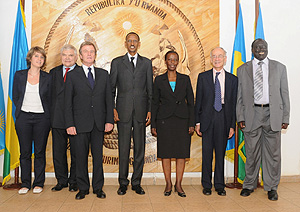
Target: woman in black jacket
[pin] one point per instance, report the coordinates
(173, 120)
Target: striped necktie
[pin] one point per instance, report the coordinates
(258, 82)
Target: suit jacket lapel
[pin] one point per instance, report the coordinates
(83, 76)
(227, 86)
(139, 64)
(127, 63)
(210, 80)
(272, 73)
(166, 84)
(249, 70)
(179, 83)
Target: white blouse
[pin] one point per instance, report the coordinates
(32, 100)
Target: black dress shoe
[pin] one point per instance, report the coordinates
(272, 195)
(167, 193)
(246, 192)
(59, 187)
(100, 194)
(73, 187)
(81, 194)
(206, 191)
(138, 189)
(122, 190)
(181, 194)
(221, 191)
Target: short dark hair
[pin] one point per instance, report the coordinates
(34, 50)
(169, 52)
(258, 39)
(132, 33)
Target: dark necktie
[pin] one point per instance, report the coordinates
(65, 77)
(132, 63)
(218, 98)
(90, 77)
(258, 82)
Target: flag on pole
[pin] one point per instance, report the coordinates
(2, 117)
(259, 30)
(238, 58)
(17, 62)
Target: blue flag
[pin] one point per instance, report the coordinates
(17, 62)
(238, 58)
(259, 31)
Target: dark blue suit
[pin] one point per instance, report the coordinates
(214, 125)
(32, 126)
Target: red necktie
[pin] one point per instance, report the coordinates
(67, 69)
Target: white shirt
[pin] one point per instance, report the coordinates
(32, 100)
(71, 68)
(135, 58)
(86, 70)
(221, 78)
(265, 69)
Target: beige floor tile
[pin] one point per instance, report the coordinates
(227, 206)
(153, 200)
(104, 206)
(137, 207)
(197, 206)
(171, 206)
(80, 207)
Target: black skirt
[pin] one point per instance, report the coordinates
(173, 139)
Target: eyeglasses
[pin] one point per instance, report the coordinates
(218, 56)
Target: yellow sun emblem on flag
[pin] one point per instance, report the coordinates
(2, 121)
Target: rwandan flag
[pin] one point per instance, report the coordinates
(18, 62)
(238, 58)
(2, 117)
(259, 31)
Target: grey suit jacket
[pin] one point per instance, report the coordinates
(133, 88)
(278, 95)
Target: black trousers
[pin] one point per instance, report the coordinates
(82, 143)
(32, 127)
(138, 130)
(59, 145)
(214, 138)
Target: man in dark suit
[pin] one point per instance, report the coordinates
(263, 109)
(88, 114)
(59, 133)
(131, 75)
(215, 117)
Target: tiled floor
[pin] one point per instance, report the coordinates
(153, 200)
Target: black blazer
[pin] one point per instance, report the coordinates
(134, 88)
(205, 97)
(166, 103)
(19, 88)
(85, 106)
(57, 100)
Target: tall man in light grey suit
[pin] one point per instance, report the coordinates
(263, 109)
(131, 81)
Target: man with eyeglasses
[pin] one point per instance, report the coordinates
(263, 109)
(131, 79)
(215, 118)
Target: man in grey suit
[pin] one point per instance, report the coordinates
(263, 109)
(131, 79)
